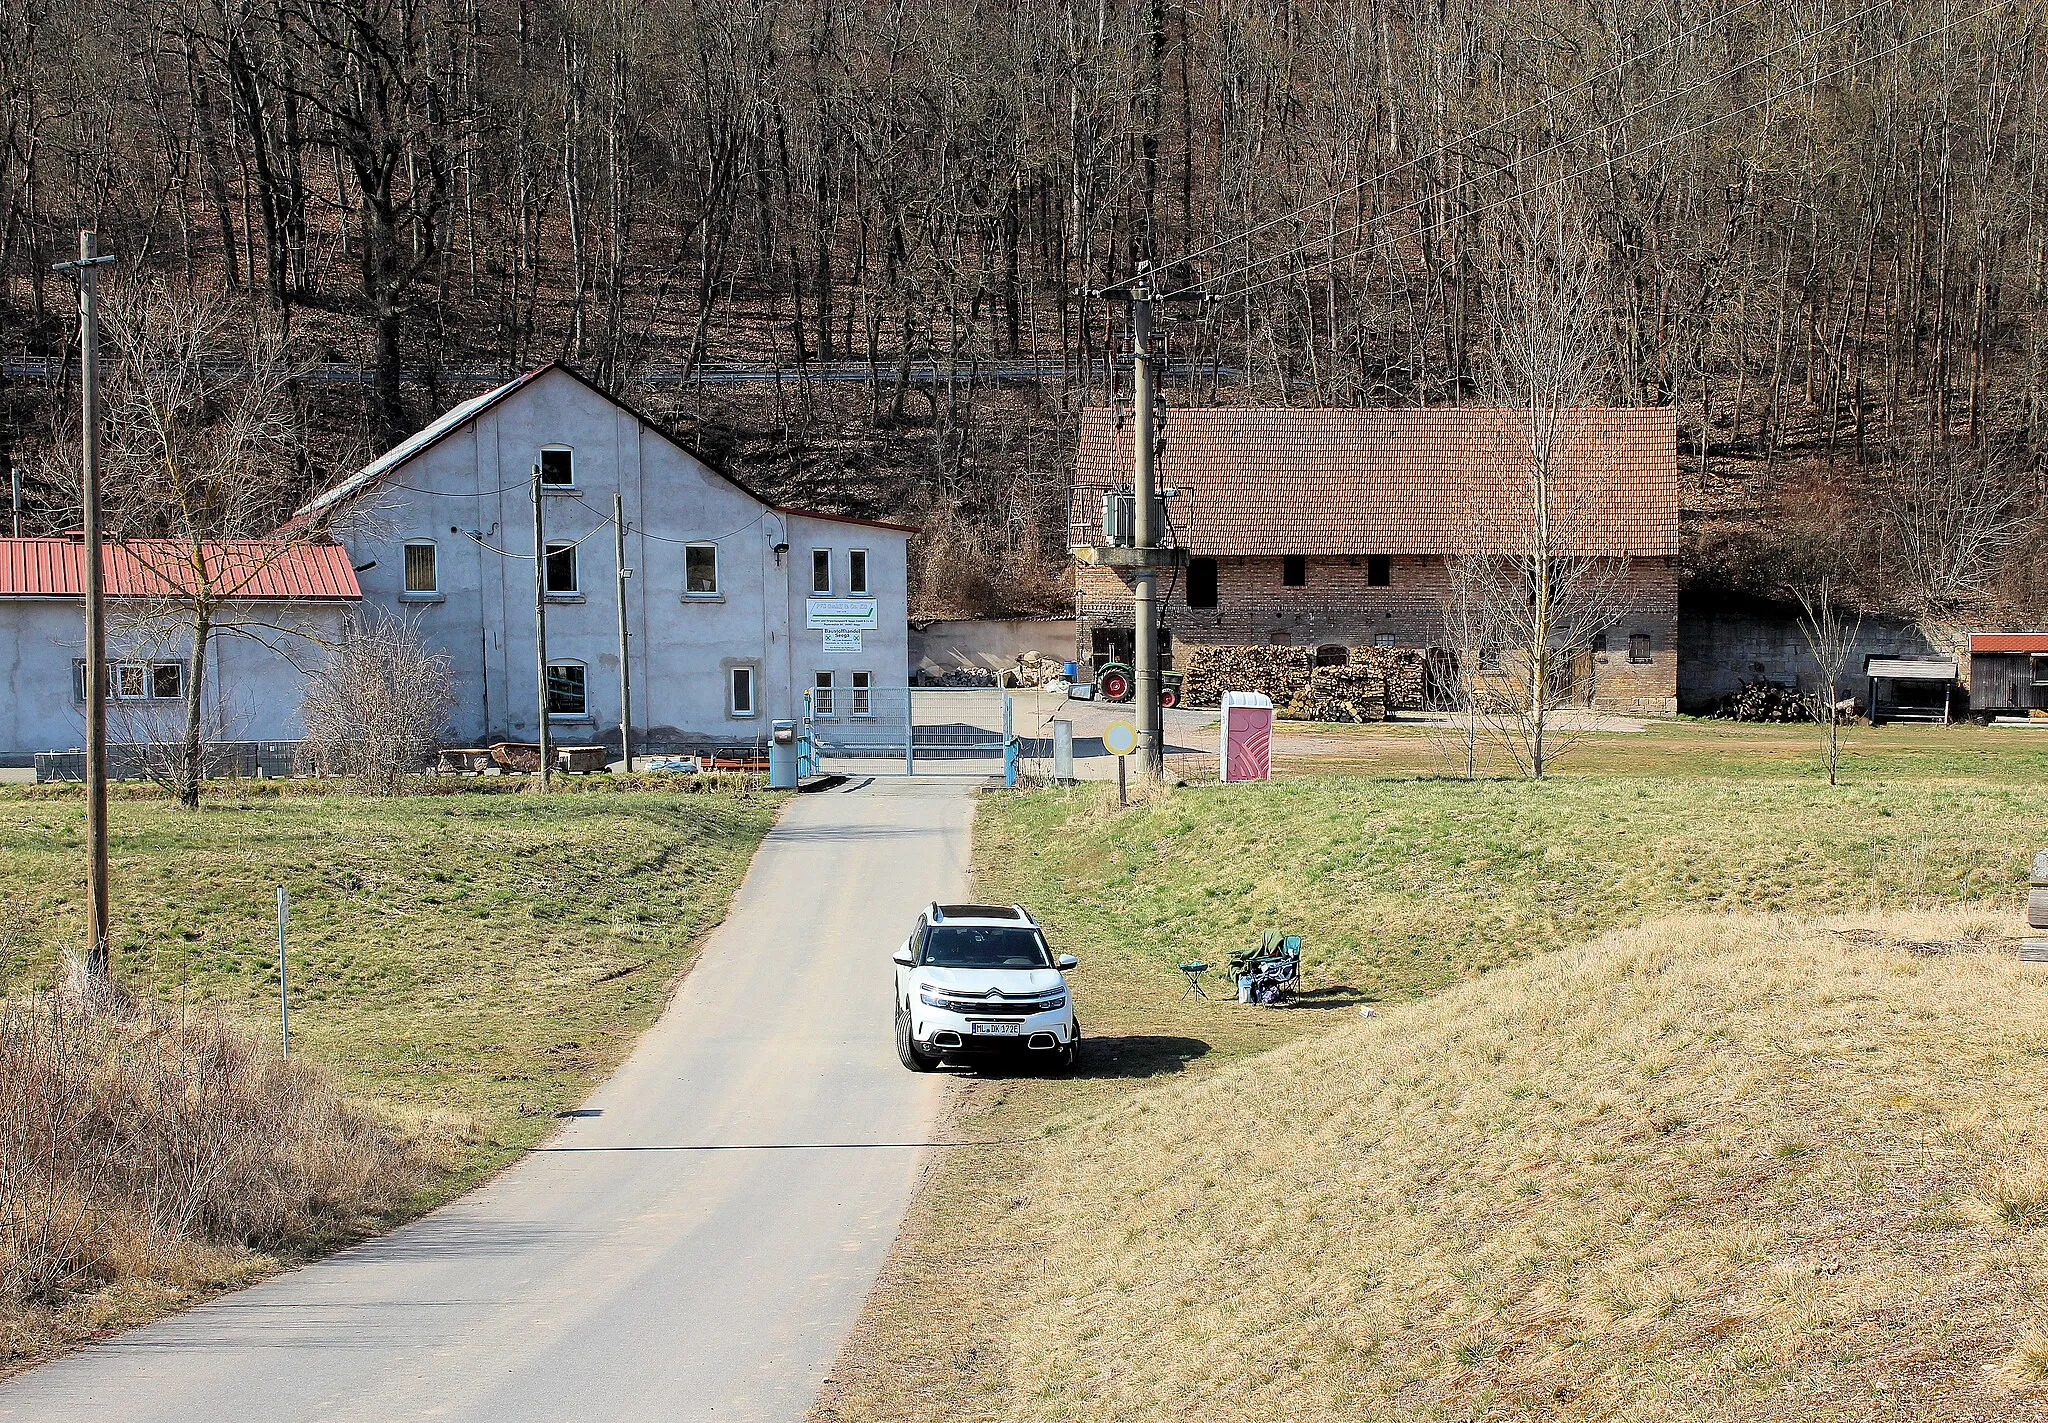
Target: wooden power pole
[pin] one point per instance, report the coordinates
(86, 271)
(625, 637)
(540, 628)
(1145, 577)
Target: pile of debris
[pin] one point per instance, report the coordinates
(1767, 701)
(1346, 693)
(1032, 669)
(963, 676)
(1281, 673)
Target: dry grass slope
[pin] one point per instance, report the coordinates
(1738, 1167)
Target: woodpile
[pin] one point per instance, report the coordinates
(1368, 685)
(1766, 701)
(1281, 673)
(1353, 693)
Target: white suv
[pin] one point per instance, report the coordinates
(980, 978)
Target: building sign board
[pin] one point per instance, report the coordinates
(841, 641)
(840, 613)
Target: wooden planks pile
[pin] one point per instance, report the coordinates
(2036, 950)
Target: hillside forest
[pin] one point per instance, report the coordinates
(847, 251)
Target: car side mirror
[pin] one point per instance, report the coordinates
(1068, 961)
(903, 955)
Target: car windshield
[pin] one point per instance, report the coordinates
(983, 946)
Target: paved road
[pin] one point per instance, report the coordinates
(697, 1250)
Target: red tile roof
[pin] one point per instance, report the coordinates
(257, 569)
(1348, 481)
(2009, 642)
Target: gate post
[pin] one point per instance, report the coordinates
(806, 748)
(1009, 743)
(909, 734)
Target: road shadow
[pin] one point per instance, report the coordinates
(1136, 1055)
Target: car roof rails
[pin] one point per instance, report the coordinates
(935, 914)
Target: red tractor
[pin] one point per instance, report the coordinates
(1116, 682)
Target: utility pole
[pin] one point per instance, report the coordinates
(86, 271)
(1145, 577)
(540, 628)
(14, 496)
(625, 639)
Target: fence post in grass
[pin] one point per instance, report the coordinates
(284, 1002)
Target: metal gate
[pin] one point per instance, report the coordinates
(906, 731)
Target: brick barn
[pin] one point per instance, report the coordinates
(1330, 529)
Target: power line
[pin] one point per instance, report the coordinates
(1443, 148)
(1562, 143)
(1771, 98)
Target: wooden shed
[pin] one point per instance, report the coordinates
(1909, 688)
(2009, 674)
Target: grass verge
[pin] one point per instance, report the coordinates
(1403, 888)
(465, 965)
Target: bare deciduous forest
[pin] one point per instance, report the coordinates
(1821, 233)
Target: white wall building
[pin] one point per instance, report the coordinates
(287, 607)
(727, 604)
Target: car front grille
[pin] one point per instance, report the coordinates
(1002, 1007)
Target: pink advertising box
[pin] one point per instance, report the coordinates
(1247, 751)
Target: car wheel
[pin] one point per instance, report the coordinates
(907, 1049)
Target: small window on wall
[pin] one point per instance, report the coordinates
(422, 573)
(557, 468)
(862, 696)
(131, 681)
(700, 570)
(566, 691)
(561, 570)
(821, 695)
(1379, 570)
(167, 681)
(1489, 659)
(740, 691)
(821, 570)
(1639, 648)
(857, 572)
(1382, 639)
(1294, 570)
(1201, 583)
(1600, 644)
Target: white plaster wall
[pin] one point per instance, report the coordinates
(252, 691)
(477, 479)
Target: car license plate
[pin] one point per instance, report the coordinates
(994, 1030)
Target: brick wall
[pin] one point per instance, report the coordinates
(1337, 605)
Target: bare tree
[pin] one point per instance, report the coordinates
(1950, 519)
(201, 454)
(1458, 682)
(1830, 633)
(1548, 586)
(380, 707)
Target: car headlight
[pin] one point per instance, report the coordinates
(929, 996)
(1051, 1003)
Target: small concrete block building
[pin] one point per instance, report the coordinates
(1332, 527)
(734, 605)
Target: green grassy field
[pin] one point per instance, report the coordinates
(1403, 884)
(477, 960)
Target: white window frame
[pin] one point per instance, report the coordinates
(144, 672)
(824, 695)
(732, 686)
(819, 555)
(857, 564)
(713, 591)
(583, 715)
(860, 694)
(1383, 639)
(575, 588)
(405, 569)
(540, 460)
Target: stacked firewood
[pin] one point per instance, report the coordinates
(1766, 701)
(1402, 671)
(1281, 673)
(1351, 693)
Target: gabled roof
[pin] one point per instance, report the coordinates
(259, 570)
(2009, 642)
(1429, 481)
(366, 479)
